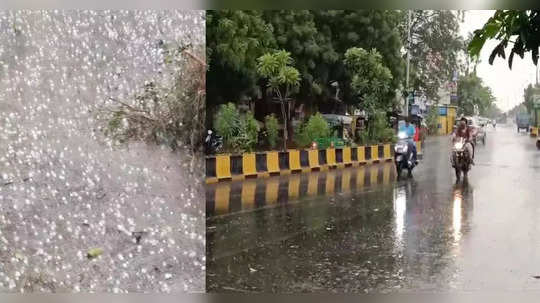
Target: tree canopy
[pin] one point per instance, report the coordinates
(370, 78)
(316, 40)
(518, 29)
(473, 93)
(435, 48)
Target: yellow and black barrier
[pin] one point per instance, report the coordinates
(252, 165)
(230, 197)
(534, 132)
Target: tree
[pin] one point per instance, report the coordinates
(435, 48)
(283, 79)
(520, 28)
(371, 81)
(297, 32)
(473, 94)
(234, 41)
(368, 29)
(529, 92)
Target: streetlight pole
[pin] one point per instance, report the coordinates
(408, 61)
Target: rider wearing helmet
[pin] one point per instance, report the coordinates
(464, 131)
(410, 130)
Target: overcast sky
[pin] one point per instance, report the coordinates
(507, 85)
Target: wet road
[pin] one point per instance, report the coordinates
(361, 230)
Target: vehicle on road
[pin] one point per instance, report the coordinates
(523, 121)
(403, 155)
(478, 129)
(538, 142)
(461, 158)
(213, 143)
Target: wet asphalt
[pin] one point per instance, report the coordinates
(362, 230)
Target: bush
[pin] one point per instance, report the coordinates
(248, 133)
(316, 127)
(228, 122)
(272, 125)
(388, 136)
(239, 131)
(377, 131)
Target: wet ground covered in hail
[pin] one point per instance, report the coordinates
(361, 229)
(66, 190)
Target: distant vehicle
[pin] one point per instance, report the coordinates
(523, 121)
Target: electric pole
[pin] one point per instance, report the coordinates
(408, 61)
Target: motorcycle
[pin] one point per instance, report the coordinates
(213, 143)
(403, 155)
(538, 143)
(461, 158)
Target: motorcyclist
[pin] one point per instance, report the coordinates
(410, 130)
(464, 131)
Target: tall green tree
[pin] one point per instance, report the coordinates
(436, 45)
(283, 80)
(370, 79)
(517, 29)
(472, 93)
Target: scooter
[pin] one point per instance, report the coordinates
(213, 143)
(403, 155)
(461, 158)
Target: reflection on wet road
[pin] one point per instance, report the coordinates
(361, 230)
(231, 197)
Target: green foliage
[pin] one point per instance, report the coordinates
(317, 41)
(370, 78)
(247, 135)
(228, 122)
(432, 119)
(518, 27)
(529, 92)
(297, 32)
(234, 41)
(272, 125)
(436, 45)
(316, 127)
(378, 129)
(367, 29)
(239, 131)
(282, 78)
(473, 93)
(363, 137)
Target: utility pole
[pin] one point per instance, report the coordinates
(408, 61)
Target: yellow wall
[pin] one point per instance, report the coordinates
(447, 122)
(443, 123)
(451, 118)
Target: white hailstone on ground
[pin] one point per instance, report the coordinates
(64, 186)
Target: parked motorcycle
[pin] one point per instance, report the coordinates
(212, 143)
(403, 155)
(461, 158)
